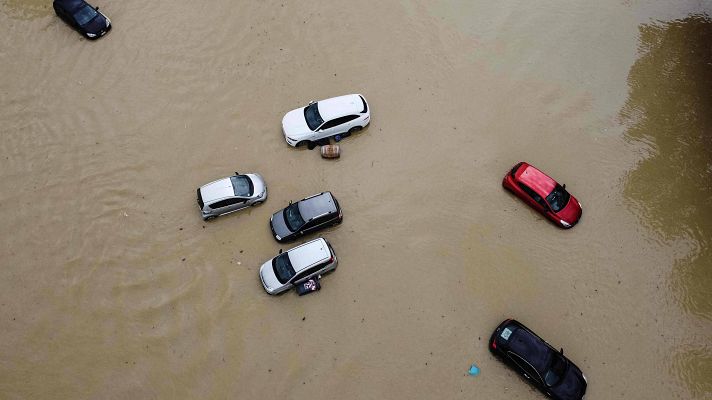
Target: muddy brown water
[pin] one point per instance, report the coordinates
(111, 286)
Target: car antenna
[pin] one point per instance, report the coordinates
(562, 351)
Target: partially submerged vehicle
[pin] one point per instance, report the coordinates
(298, 265)
(308, 215)
(531, 356)
(227, 195)
(543, 194)
(336, 117)
(83, 17)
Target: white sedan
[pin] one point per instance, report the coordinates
(337, 117)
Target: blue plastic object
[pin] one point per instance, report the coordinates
(337, 138)
(474, 370)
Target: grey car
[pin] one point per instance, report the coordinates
(306, 216)
(231, 194)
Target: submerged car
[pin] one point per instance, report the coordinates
(336, 117)
(231, 194)
(297, 265)
(532, 357)
(306, 216)
(83, 17)
(543, 194)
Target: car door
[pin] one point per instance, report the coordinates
(337, 125)
(306, 274)
(318, 223)
(534, 200)
(226, 206)
(526, 369)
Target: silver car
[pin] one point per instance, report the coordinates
(297, 265)
(231, 194)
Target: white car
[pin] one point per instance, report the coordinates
(231, 194)
(297, 265)
(337, 117)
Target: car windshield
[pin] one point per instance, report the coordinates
(293, 218)
(311, 114)
(283, 268)
(85, 14)
(242, 186)
(558, 198)
(556, 370)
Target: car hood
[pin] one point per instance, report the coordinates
(572, 212)
(294, 124)
(258, 183)
(279, 226)
(573, 385)
(96, 25)
(269, 279)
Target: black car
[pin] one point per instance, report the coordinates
(306, 216)
(543, 366)
(83, 17)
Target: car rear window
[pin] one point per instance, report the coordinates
(200, 200)
(365, 106)
(242, 186)
(514, 169)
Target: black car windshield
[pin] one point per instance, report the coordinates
(283, 268)
(311, 114)
(85, 14)
(556, 370)
(242, 186)
(558, 198)
(293, 218)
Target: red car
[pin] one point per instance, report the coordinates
(543, 193)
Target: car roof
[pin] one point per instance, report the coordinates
(336, 107)
(308, 254)
(317, 205)
(537, 180)
(217, 190)
(530, 347)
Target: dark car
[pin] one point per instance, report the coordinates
(306, 216)
(83, 17)
(544, 367)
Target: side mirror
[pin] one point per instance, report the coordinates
(237, 173)
(564, 186)
(280, 251)
(312, 102)
(290, 202)
(561, 351)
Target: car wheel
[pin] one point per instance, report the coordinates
(209, 218)
(302, 143)
(354, 129)
(311, 145)
(257, 203)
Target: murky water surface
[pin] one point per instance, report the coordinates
(111, 286)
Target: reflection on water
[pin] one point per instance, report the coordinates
(26, 9)
(694, 366)
(669, 112)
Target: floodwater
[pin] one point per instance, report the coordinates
(112, 287)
